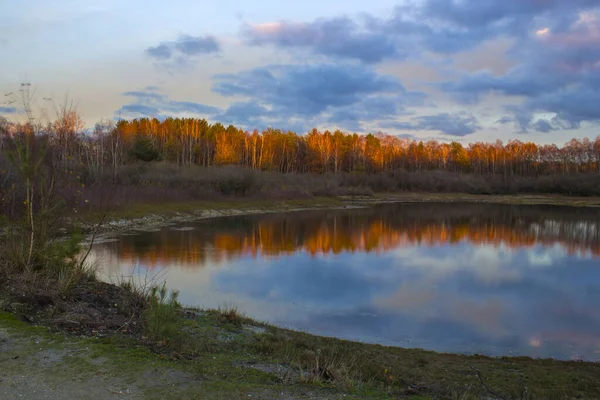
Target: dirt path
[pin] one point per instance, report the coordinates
(36, 367)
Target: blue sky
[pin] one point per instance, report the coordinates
(463, 70)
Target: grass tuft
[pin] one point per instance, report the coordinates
(163, 317)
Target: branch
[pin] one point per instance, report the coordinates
(489, 389)
(91, 244)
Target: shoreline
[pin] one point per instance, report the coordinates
(156, 215)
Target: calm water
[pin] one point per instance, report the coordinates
(472, 278)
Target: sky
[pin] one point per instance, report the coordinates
(465, 70)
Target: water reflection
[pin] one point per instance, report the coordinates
(492, 279)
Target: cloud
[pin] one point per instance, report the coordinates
(323, 93)
(294, 97)
(544, 126)
(336, 37)
(335, 284)
(181, 53)
(244, 113)
(557, 71)
(192, 46)
(139, 110)
(149, 103)
(190, 107)
(441, 26)
(555, 54)
(146, 95)
(8, 110)
(374, 109)
(160, 52)
(458, 124)
(507, 13)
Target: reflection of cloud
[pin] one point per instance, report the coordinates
(488, 263)
(425, 302)
(572, 342)
(541, 260)
(485, 317)
(321, 283)
(407, 298)
(545, 257)
(535, 342)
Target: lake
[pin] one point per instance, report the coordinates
(452, 277)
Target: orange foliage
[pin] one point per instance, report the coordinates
(196, 141)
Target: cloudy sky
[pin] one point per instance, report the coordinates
(464, 70)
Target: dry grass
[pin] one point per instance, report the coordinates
(229, 315)
(166, 183)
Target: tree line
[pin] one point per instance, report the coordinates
(63, 157)
(188, 141)
(194, 141)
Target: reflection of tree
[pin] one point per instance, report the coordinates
(369, 230)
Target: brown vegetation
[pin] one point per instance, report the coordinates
(117, 163)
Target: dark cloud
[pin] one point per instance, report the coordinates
(507, 13)
(8, 110)
(247, 114)
(506, 120)
(306, 90)
(190, 107)
(295, 97)
(556, 51)
(160, 52)
(192, 46)
(343, 95)
(441, 26)
(152, 104)
(544, 126)
(473, 13)
(374, 109)
(459, 124)
(179, 54)
(556, 58)
(139, 110)
(337, 37)
(556, 72)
